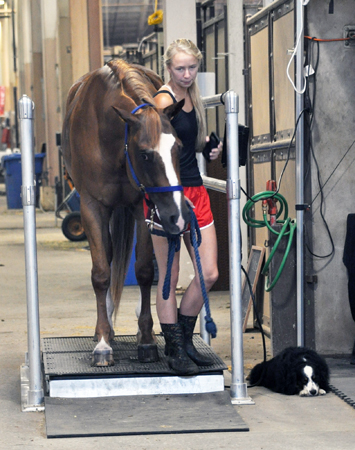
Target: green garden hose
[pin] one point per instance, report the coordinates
(288, 229)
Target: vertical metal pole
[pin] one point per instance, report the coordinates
(300, 175)
(35, 394)
(238, 386)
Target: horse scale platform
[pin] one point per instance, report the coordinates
(68, 372)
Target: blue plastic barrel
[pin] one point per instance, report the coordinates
(13, 178)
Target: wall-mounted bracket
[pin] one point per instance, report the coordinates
(349, 33)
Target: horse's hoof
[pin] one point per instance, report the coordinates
(148, 353)
(102, 359)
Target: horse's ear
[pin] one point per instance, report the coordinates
(125, 115)
(174, 109)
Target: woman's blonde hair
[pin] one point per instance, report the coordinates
(188, 47)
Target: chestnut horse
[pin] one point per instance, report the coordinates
(117, 146)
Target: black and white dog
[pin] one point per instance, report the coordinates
(296, 370)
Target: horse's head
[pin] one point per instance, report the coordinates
(154, 151)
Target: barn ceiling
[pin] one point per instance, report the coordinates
(126, 21)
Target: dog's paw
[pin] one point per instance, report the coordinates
(303, 393)
(322, 392)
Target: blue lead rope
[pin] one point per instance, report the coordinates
(174, 246)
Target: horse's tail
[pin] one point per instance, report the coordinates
(122, 232)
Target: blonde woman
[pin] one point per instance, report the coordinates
(182, 60)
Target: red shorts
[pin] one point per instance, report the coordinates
(202, 208)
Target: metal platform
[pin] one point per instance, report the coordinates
(68, 373)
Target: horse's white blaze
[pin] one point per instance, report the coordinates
(164, 148)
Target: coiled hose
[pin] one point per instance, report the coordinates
(288, 228)
(157, 17)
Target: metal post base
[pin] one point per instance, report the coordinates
(239, 395)
(26, 395)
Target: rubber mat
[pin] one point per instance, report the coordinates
(72, 357)
(342, 379)
(138, 415)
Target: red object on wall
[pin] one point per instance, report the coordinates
(6, 137)
(271, 202)
(2, 100)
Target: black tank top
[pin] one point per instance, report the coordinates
(185, 125)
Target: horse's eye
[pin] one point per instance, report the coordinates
(144, 156)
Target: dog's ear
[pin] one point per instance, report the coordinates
(292, 383)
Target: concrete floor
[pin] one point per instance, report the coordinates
(67, 308)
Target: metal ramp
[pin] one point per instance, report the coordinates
(68, 373)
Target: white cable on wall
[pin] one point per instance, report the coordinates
(302, 3)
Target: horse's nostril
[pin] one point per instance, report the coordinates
(174, 219)
(177, 222)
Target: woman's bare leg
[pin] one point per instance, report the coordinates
(192, 300)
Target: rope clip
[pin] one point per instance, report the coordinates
(151, 225)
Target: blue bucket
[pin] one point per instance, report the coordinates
(13, 178)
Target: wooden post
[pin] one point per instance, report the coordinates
(94, 12)
(51, 86)
(37, 75)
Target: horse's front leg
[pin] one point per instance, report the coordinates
(95, 218)
(144, 269)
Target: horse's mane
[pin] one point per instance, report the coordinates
(134, 79)
(138, 81)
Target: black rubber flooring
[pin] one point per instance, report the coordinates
(71, 356)
(342, 378)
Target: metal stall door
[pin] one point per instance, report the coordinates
(214, 47)
(269, 39)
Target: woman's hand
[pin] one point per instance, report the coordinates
(214, 153)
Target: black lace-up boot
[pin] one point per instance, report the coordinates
(188, 325)
(174, 349)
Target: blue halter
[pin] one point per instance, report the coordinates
(143, 188)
